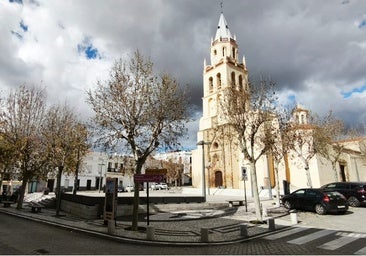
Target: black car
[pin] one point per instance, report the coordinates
(355, 192)
(315, 199)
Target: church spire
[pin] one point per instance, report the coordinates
(222, 29)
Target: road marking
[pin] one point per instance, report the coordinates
(338, 243)
(284, 233)
(311, 237)
(361, 251)
(358, 235)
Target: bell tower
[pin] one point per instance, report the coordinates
(225, 70)
(218, 151)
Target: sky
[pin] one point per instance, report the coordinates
(314, 50)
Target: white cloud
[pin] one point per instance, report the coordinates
(313, 49)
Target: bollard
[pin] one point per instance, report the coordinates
(150, 233)
(111, 227)
(271, 224)
(293, 215)
(204, 234)
(265, 212)
(243, 230)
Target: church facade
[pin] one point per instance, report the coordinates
(218, 163)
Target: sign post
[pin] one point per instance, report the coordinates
(110, 201)
(152, 175)
(244, 176)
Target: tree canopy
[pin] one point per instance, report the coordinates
(138, 110)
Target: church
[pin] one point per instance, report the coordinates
(218, 164)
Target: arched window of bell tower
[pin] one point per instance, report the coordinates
(232, 79)
(303, 119)
(297, 118)
(210, 84)
(233, 53)
(240, 82)
(223, 51)
(218, 80)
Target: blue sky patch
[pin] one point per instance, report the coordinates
(291, 98)
(23, 26)
(16, 1)
(347, 95)
(91, 53)
(362, 24)
(87, 48)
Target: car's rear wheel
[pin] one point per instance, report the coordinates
(320, 209)
(287, 205)
(353, 201)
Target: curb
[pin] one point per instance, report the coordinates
(120, 238)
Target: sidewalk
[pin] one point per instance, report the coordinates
(178, 227)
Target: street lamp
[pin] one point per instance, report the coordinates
(100, 176)
(203, 143)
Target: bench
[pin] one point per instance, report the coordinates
(8, 203)
(36, 208)
(236, 202)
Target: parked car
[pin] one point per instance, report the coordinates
(130, 188)
(158, 186)
(318, 200)
(355, 192)
(121, 189)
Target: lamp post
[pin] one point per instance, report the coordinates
(203, 143)
(100, 176)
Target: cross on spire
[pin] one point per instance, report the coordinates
(221, 5)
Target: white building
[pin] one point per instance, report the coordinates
(179, 157)
(217, 162)
(95, 168)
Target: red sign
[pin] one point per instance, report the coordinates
(148, 178)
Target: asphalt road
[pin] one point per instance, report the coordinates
(353, 220)
(20, 236)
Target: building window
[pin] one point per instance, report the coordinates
(232, 79)
(240, 82)
(210, 83)
(218, 79)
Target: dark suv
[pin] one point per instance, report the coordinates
(355, 192)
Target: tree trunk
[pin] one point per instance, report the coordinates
(335, 171)
(253, 174)
(76, 175)
(136, 200)
(58, 189)
(278, 202)
(308, 177)
(22, 193)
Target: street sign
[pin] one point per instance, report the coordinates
(156, 171)
(148, 178)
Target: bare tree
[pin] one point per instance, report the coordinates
(21, 116)
(81, 142)
(248, 113)
(174, 170)
(65, 142)
(139, 109)
(7, 158)
(308, 139)
(336, 131)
